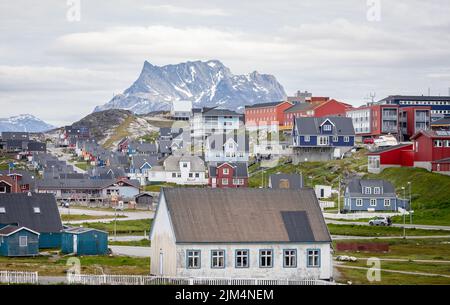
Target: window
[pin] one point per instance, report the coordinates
(346, 139)
(185, 165)
(368, 190)
(225, 181)
(37, 210)
(218, 259)
(447, 143)
(174, 175)
(377, 190)
(193, 259)
(225, 171)
(324, 140)
(307, 138)
(335, 139)
(23, 241)
(373, 202)
(327, 127)
(359, 202)
(265, 258)
(197, 175)
(387, 202)
(178, 175)
(190, 175)
(2, 189)
(437, 143)
(290, 258)
(242, 259)
(313, 258)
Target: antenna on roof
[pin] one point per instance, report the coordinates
(371, 96)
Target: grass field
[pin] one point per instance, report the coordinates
(157, 187)
(57, 265)
(83, 165)
(120, 132)
(75, 217)
(128, 227)
(357, 230)
(132, 243)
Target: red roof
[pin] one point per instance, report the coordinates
(431, 134)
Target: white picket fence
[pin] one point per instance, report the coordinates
(107, 279)
(326, 204)
(18, 277)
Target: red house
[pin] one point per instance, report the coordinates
(230, 175)
(432, 149)
(413, 119)
(8, 185)
(266, 114)
(320, 108)
(394, 156)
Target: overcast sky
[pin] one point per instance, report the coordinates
(59, 70)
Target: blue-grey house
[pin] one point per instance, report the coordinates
(18, 241)
(37, 212)
(84, 241)
(321, 139)
(371, 195)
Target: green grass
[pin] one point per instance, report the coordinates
(321, 172)
(120, 132)
(430, 193)
(132, 243)
(83, 165)
(151, 137)
(157, 187)
(357, 230)
(130, 227)
(74, 217)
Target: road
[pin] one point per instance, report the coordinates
(131, 251)
(398, 225)
(128, 215)
(65, 157)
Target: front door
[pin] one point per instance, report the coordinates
(161, 263)
(75, 244)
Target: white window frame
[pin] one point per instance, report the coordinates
(438, 143)
(307, 138)
(265, 254)
(242, 254)
(346, 139)
(387, 202)
(226, 171)
(373, 202)
(359, 202)
(2, 189)
(37, 210)
(194, 255)
(2, 210)
(327, 127)
(368, 190)
(377, 190)
(323, 140)
(217, 259)
(224, 181)
(23, 241)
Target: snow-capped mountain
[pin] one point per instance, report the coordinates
(24, 122)
(204, 83)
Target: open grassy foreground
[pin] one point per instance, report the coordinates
(57, 265)
(357, 230)
(433, 267)
(132, 243)
(75, 217)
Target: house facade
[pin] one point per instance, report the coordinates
(321, 139)
(227, 147)
(430, 147)
(18, 241)
(265, 114)
(370, 195)
(181, 110)
(206, 233)
(226, 174)
(375, 120)
(393, 156)
(182, 169)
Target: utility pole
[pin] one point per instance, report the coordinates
(339, 196)
(410, 203)
(404, 212)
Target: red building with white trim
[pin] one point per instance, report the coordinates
(413, 119)
(431, 148)
(394, 156)
(228, 175)
(266, 114)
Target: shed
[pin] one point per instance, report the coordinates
(84, 241)
(18, 241)
(144, 199)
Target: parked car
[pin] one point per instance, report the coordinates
(65, 204)
(369, 141)
(345, 258)
(380, 221)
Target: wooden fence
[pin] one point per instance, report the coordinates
(18, 277)
(87, 279)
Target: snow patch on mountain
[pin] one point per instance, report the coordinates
(24, 123)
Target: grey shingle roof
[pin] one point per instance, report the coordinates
(261, 105)
(240, 169)
(244, 215)
(216, 141)
(139, 160)
(95, 184)
(283, 181)
(356, 186)
(172, 163)
(19, 209)
(310, 125)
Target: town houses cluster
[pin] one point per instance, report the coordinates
(209, 221)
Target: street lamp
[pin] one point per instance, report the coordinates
(410, 203)
(404, 211)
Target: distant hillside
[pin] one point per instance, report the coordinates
(108, 127)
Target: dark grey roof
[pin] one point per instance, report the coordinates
(13, 135)
(441, 121)
(382, 150)
(311, 125)
(139, 160)
(415, 98)
(68, 184)
(164, 146)
(240, 169)
(144, 147)
(300, 107)
(355, 187)
(36, 146)
(220, 112)
(217, 140)
(27, 177)
(283, 181)
(244, 215)
(16, 144)
(261, 105)
(19, 209)
(72, 176)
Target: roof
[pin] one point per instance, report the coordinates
(11, 229)
(27, 177)
(240, 169)
(139, 160)
(301, 107)
(57, 184)
(172, 163)
(415, 98)
(445, 160)
(310, 125)
(14, 135)
(216, 141)
(183, 106)
(355, 187)
(262, 105)
(201, 215)
(81, 230)
(219, 112)
(395, 147)
(432, 134)
(19, 209)
(286, 181)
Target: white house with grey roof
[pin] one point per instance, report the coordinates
(180, 169)
(240, 233)
(232, 146)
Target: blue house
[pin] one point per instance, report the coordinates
(37, 212)
(18, 241)
(321, 139)
(84, 241)
(140, 167)
(371, 195)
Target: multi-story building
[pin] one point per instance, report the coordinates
(440, 105)
(431, 148)
(232, 146)
(413, 119)
(206, 121)
(265, 114)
